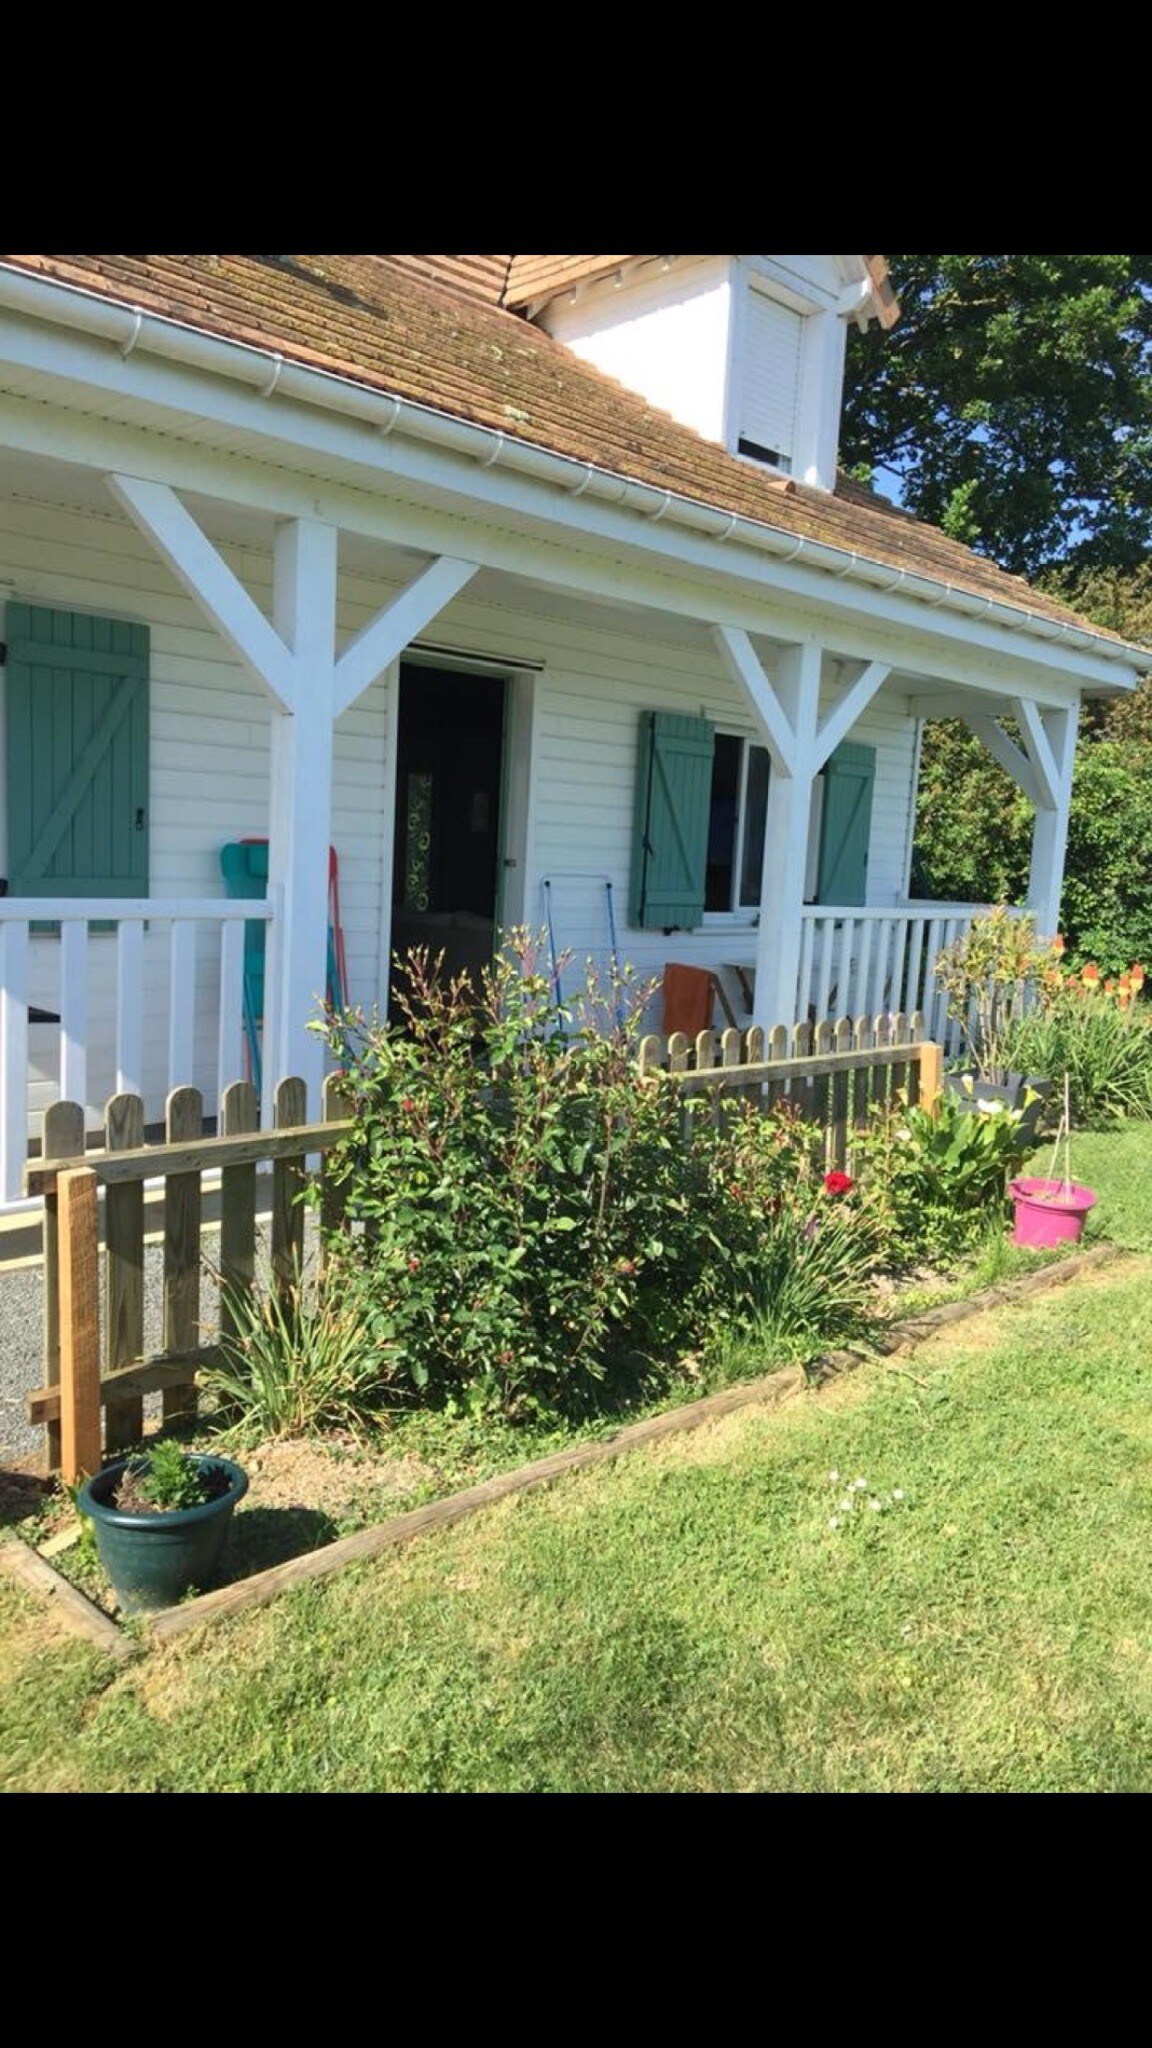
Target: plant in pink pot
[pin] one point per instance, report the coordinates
(1051, 1210)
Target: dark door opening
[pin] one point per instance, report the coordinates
(449, 764)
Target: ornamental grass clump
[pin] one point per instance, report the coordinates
(1097, 1030)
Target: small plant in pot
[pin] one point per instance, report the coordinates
(988, 975)
(1051, 1210)
(161, 1521)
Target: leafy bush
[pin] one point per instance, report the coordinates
(309, 1360)
(943, 1174)
(533, 1233)
(1098, 1032)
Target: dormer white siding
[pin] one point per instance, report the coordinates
(745, 349)
(662, 331)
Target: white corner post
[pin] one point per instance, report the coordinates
(1050, 737)
(786, 710)
(1043, 769)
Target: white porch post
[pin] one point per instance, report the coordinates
(786, 710)
(789, 810)
(1050, 831)
(1043, 770)
(300, 808)
(295, 659)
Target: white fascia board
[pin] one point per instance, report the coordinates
(757, 593)
(297, 434)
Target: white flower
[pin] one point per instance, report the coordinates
(987, 1108)
(834, 1479)
(847, 1505)
(833, 1521)
(860, 1485)
(904, 1133)
(874, 1505)
(897, 1493)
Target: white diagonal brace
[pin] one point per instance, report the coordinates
(744, 666)
(168, 524)
(389, 633)
(1001, 748)
(1040, 752)
(852, 705)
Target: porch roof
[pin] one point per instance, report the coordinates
(407, 327)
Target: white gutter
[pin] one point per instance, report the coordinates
(128, 328)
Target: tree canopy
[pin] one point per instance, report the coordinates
(1013, 404)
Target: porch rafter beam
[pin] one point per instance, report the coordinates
(746, 669)
(852, 706)
(1002, 749)
(1039, 749)
(166, 522)
(386, 636)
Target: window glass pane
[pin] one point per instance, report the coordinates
(756, 801)
(722, 822)
(418, 842)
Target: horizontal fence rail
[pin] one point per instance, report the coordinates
(58, 979)
(832, 1075)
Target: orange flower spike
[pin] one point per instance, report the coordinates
(1136, 976)
(1090, 975)
(1058, 945)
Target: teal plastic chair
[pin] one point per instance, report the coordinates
(244, 866)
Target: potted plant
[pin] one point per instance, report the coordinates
(161, 1521)
(987, 975)
(1050, 1210)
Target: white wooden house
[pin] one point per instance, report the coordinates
(490, 573)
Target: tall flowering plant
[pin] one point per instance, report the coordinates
(988, 975)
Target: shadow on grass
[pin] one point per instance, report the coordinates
(262, 1537)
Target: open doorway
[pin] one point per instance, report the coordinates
(446, 874)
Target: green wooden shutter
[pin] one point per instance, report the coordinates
(77, 691)
(846, 825)
(673, 795)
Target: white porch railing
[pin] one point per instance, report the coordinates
(856, 962)
(125, 1040)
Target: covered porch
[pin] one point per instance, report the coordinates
(282, 647)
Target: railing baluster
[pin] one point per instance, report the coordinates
(13, 1058)
(130, 1006)
(181, 1003)
(827, 948)
(863, 1007)
(807, 943)
(230, 1044)
(74, 1010)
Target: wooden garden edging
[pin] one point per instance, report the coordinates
(92, 1398)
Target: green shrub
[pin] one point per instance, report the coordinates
(535, 1236)
(943, 1175)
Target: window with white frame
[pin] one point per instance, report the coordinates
(737, 813)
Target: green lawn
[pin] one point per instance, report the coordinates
(689, 1618)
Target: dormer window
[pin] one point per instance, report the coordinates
(772, 357)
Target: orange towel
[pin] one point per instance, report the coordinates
(688, 999)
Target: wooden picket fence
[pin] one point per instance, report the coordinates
(95, 1369)
(832, 1074)
(96, 1373)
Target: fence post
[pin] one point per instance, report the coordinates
(124, 1267)
(185, 1120)
(62, 1138)
(931, 1075)
(288, 1180)
(78, 1222)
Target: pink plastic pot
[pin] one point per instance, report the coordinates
(1045, 1214)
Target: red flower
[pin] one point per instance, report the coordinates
(838, 1183)
(413, 1265)
(407, 1103)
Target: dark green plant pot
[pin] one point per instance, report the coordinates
(153, 1560)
